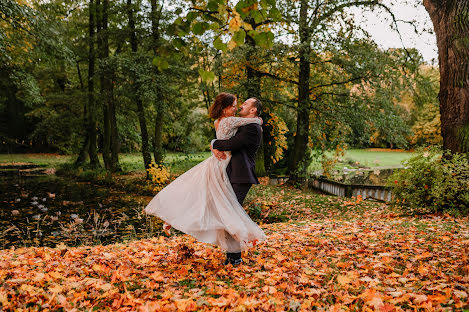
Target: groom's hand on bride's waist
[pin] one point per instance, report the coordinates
(219, 154)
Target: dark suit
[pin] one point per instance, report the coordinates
(243, 147)
(241, 168)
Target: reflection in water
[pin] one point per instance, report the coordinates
(49, 210)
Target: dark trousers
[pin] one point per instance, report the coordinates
(241, 190)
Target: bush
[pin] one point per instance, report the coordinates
(159, 177)
(432, 183)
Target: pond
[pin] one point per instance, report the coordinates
(46, 210)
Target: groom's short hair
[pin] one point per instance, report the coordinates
(258, 105)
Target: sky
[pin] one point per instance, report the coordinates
(377, 25)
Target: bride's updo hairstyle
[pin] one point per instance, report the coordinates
(222, 101)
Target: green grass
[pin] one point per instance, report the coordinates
(371, 158)
(178, 162)
(48, 160)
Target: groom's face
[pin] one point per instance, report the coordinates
(247, 109)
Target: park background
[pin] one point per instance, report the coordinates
(103, 103)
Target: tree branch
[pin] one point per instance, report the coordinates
(338, 8)
(280, 102)
(337, 83)
(267, 21)
(264, 74)
(332, 93)
(203, 10)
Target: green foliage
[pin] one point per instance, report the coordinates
(425, 109)
(463, 137)
(432, 183)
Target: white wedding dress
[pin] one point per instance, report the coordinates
(201, 202)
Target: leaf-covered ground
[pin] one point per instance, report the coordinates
(333, 254)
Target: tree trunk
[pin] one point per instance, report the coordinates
(115, 145)
(103, 50)
(92, 133)
(83, 154)
(253, 88)
(157, 142)
(297, 166)
(450, 22)
(140, 111)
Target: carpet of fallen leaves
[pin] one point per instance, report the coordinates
(367, 260)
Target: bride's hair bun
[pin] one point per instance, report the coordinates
(222, 101)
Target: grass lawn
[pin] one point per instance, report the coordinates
(373, 157)
(47, 160)
(178, 162)
(376, 157)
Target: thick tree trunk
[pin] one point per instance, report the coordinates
(297, 165)
(92, 133)
(450, 21)
(157, 142)
(140, 110)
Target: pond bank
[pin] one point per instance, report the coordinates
(44, 210)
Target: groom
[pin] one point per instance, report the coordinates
(243, 147)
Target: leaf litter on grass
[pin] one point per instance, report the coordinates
(346, 255)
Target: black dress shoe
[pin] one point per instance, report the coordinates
(233, 262)
(236, 262)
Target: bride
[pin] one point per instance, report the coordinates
(201, 202)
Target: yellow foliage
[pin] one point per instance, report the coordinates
(159, 176)
(279, 128)
(235, 23)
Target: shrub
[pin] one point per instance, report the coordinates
(432, 183)
(159, 176)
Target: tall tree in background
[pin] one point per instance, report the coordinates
(103, 53)
(135, 86)
(110, 135)
(92, 133)
(156, 10)
(115, 166)
(451, 23)
(303, 110)
(317, 19)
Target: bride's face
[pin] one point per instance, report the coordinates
(230, 111)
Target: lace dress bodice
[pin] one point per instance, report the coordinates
(228, 126)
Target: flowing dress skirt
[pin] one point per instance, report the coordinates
(201, 202)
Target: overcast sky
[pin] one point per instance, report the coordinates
(377, 24)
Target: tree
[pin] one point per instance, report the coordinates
(92, 134)
(156, 10)
(246, 23)
(135, 86)
(449, 19)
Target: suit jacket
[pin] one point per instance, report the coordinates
(243, 146)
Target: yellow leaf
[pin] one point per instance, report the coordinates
(105, 287)
(235, 23)
(56, 288)
(55, 275)
(231, 44)
(343, 280)
(4, 299)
